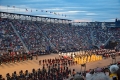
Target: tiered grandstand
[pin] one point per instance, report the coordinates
(32, 33)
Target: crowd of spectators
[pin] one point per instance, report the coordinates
(64, 36)
(46, 36)
(107, 73)
(8, 38)
(29, 34)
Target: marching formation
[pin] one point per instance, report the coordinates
(87, 58)
(52, 69)
(14, 57)
(57, 68)
(82, 57)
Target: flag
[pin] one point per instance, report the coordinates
(26, 10)
(8, 5)
(54, 13)
(13, 6)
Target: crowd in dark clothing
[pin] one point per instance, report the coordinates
(45, 36)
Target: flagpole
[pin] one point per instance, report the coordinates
(14, 8)
(19, 9)
(0, 7)
(7, 8)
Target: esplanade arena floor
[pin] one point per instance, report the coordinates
(30, 64)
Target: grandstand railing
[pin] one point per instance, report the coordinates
(19, 37)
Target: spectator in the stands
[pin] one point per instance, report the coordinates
(78, 77)
(118, 71)
(89, 74)
(1, 78)
(99, 75)
(113, 72)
